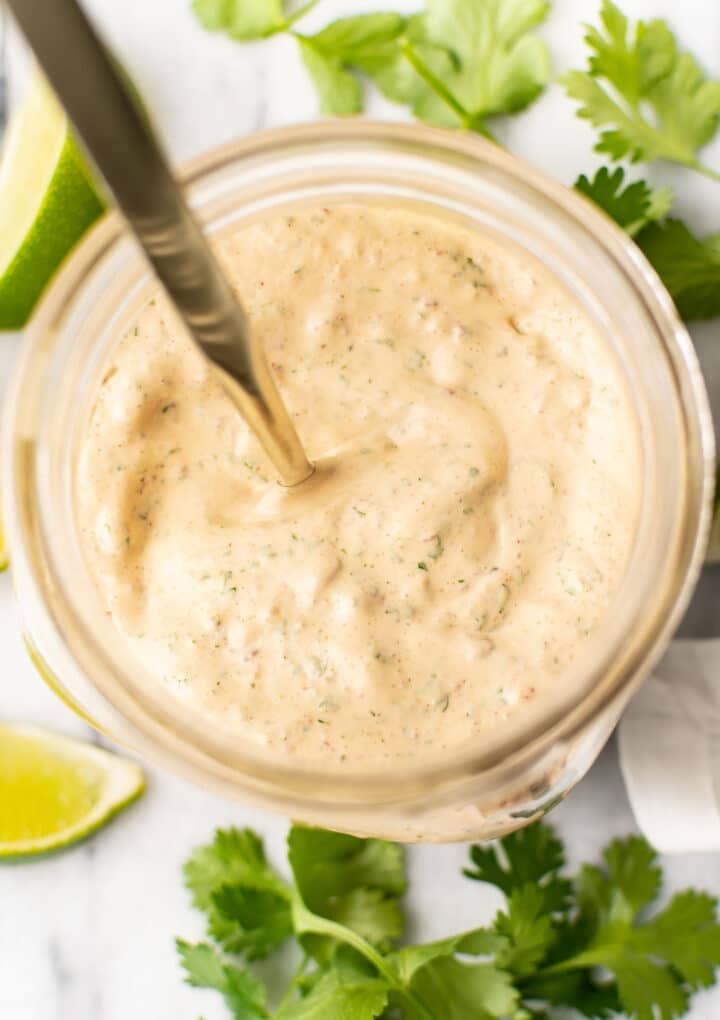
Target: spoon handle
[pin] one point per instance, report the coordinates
(119, 138)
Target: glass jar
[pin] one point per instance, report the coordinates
(530, 762)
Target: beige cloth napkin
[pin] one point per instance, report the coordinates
(669, 739)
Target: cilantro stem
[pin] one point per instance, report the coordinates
(307, 922)
(468, 121)
(431, 79)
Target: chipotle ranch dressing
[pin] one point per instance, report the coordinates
(468, 524)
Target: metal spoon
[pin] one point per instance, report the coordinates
(120, 140)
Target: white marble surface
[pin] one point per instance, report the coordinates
(88, 935)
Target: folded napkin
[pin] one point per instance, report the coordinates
(669, 740)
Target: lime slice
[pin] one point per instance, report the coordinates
(55, 791)
(47, 201)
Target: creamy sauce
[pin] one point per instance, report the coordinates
(469, 522)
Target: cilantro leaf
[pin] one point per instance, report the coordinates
(633, 870)
(686, 935)
(205, 967)
(480, 942)
(460, 991)
(350, 39)
(235, 861)
(688, 266)
(336, 998)
(652, 101)
(573, 990)
(501, 66)
(235, 857)
(647, 990)
(631, 135)
(655, 961)
(242, 19)
(629, 881)
(633, 206)
(687, 106)
(339, 91)
(370, 913)
(253, 922)
(330, 864)
(452, 989)
(527, 928)
(533, 855)
(347, 991)
(343, 45)
(396, 77)
(353, 881)
(632, 66)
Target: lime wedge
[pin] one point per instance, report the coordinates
(55, 791)
(47, 201)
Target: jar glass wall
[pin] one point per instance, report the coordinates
(524, 767)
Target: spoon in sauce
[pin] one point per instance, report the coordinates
(118, 137)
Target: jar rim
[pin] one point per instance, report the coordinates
(42, 576)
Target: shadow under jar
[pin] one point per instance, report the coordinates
(518, 769)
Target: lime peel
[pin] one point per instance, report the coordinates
(47, 202)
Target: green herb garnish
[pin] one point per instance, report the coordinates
(587, 942)
(459, 62)
(652, 102)
(650, 98)
(688, 266)
(632, 206)
(248, 20)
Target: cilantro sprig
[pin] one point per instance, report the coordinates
(593, 945)
(651, 100)
(588, 942)
(689, 266)
(498, 65)
(457, 63)
(343, 909)
(462, 63)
